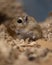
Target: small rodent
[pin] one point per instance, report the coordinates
(24, 27)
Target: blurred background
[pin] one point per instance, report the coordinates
(38, 8)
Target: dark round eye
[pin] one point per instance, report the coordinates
(19, 21)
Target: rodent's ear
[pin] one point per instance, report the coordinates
(26, 18)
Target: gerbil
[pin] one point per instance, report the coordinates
(24, 27)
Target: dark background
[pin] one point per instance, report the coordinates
(38, 8)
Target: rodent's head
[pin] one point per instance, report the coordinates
(23, 22)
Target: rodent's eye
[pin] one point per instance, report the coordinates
(19, 20)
